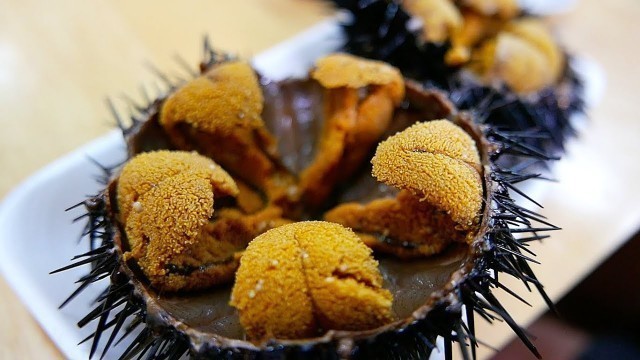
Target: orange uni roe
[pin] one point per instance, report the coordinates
(359, 100)
(299, 280)
(437, 168)
(166, 201)
(219, 114)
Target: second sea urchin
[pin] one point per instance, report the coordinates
(491, 57)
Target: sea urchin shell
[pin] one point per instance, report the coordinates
(463, 274)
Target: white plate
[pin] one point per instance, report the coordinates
(37, 235)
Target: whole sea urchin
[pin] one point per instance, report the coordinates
(464, 272)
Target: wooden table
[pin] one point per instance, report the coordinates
(58, 61)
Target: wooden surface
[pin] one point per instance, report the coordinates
(58, 61)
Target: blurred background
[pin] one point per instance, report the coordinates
(60, 60)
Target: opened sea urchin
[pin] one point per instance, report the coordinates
(170, 222)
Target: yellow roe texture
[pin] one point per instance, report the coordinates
(147, 170)
(300, 279)
(537, 33)
(225, 98)
(491, 40)
(344, 70)
(219, 114)
(403, 226)
(502, 8)
(475, 29)
(166, 201)
(524, 56)
(438, 162)
(359, 100)
(440, 18)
